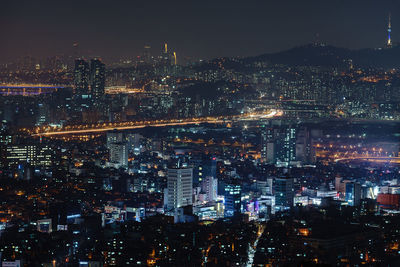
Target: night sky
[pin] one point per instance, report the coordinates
(201, 29)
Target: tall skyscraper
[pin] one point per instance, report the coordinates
(389, 40)
(278, 144)
(166, 55)
(180, 187)
(305, 152)
(43, 113)
(284, 192)
(147, 55)
(165, 61)
(267, 144)
(286, 146)
(233, 195)
(81, 78)
(97, 78)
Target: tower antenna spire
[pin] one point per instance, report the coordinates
(389, 40)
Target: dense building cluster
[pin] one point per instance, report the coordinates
(257, 192)
(157, 87)
(227, 162)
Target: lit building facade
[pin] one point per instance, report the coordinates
(284, 192)
(97, 78)
(210, 187)
(233, 204)
(119, 154)
(180, 188)
(81, 79)
(35, 155)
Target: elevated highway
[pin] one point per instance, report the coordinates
(96, 128)
(371, 159)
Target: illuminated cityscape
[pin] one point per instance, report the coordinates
(200, 133)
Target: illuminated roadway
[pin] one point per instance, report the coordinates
(49, 131)
(253, 248)
(372, 158)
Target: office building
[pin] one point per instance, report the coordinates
(353, 193)
(44, 226)
(35, 155)
(284, 192)
(180, 187)
(233, 194)
(43, 113)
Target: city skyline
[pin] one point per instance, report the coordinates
(209, 30)
(183, 133)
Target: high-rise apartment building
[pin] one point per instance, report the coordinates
(180, 187)
(81, 79)
(267, 144)
(114, 137)
(97, 78)
(286, 145)
(278, 144)
(119, 154)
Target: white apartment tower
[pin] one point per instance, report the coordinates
(180, 187)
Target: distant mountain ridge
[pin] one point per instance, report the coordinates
(321, 55)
